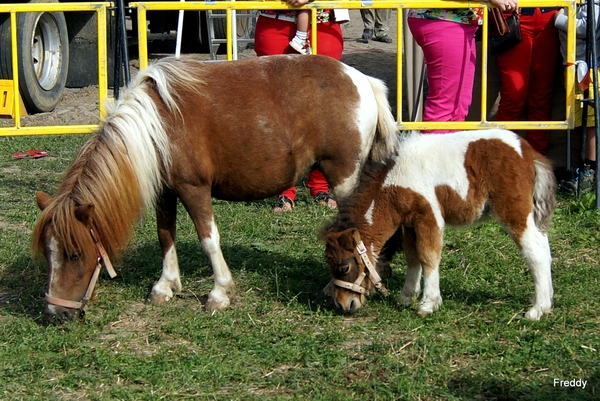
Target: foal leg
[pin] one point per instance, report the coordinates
(412, 284)
(429, 248)
(198, 203)
(166, 219)
(536, 252)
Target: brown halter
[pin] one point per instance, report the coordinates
(82, 305)
(373, 275)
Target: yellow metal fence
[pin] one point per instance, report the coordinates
(142, 7)
(101, 10)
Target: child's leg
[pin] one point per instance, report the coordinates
(300, 42)
(303, 21)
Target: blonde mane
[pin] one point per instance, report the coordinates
(121, 168)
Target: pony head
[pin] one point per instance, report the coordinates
(66, 238)
(353, 279)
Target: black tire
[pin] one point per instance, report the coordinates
(43, 49)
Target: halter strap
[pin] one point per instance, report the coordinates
(373, 275)
(82, 305)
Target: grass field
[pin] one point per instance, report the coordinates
(280, 338)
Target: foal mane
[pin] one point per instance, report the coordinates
(372, 176)
(121, 169)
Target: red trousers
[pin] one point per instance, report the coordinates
(528, 74)
(272, 37)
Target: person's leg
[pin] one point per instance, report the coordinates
(272, 36)
(285, 201)
(330, 40)
(319, 189)
(300, 42)
(515, 67)
(450, 55)
(368, 18)
(544, 61)
(381, 24)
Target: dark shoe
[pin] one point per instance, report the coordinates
(588, 181)
(284, 204)
(366, 36)
(325, 200)
(385, 39)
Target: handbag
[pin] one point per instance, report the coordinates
(510, 39)
(498, 25)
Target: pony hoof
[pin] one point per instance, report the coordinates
(535, 314)
(213, 305)
(405, 301)
(159, 298)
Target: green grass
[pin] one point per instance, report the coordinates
(280, 338)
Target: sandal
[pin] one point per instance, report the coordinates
(31, 154)
(325, 199)
(284, 204)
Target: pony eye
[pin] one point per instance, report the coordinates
(74, 256)
(344, 269)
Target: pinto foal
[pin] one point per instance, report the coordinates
(436, 180)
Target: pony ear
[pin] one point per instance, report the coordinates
(84, 213)
(356, 236)
(42, 199)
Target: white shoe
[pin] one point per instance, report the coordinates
(301, 46)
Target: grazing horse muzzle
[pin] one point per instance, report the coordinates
(63, 307)
(355, 299)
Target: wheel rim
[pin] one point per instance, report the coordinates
(46, 54)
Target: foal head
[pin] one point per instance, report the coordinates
(353, 278)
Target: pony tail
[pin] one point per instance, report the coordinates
(386, 138)
(544, 187)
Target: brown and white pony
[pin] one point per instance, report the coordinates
(192, 130)
(434, 180)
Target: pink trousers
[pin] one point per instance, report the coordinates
(450, 56)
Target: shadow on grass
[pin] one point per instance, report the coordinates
(24, 281)
(482, 387)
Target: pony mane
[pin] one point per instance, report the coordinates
(372, 176)
(121, 168)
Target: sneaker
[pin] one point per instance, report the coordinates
(588, 181)
(301, 46)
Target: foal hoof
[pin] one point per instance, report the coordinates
(405, 301)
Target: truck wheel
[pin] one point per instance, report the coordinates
(43, 52)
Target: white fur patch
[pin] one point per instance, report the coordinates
(54, 263)
(369, 214)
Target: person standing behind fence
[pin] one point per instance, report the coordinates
(375, 21)
(528, 73)
(447, 37)
(581, 25)
(274, 31)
